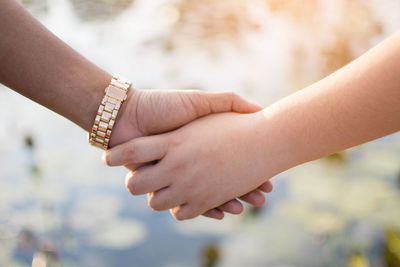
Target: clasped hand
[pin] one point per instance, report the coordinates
(200, 168)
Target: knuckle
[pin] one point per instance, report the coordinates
(133, 188)
(130, 189)
(176, 169)
(177, 214)
(130, 153)
(155, 204)
(186, 213)
(231, 95)
(190, 215)
(134, 191)
(175, 141)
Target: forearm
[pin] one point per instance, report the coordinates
(38, 65)
(358, 103)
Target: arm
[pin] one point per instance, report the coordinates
(38, 65)
(358, 103)
(213, 156)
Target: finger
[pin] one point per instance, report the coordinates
(214, 214)
(223, 102)
(232, 206)
(165, 198)
(266, 187)
(184, 212)
(134, 166)
(255, 198)
(136, 151)
(146, 179)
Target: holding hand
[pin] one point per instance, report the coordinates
(199, 166)
(148, 112)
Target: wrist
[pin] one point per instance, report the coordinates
(126, 125)
(94, 92)
(274, 146)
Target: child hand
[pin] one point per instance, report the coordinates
(199, 166)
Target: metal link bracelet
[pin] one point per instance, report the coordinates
(115, 95)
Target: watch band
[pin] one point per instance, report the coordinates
(115, 95)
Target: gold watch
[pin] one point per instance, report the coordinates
(115, 94)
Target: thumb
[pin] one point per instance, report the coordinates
(231, 102)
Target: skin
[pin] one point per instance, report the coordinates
(162, 111)
(38, 65)
(222, 156)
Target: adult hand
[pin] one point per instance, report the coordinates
(149, 112)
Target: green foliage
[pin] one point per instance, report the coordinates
(358, 260)
(339, 157)
(391, 248)
(211, 255)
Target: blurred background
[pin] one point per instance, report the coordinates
(59, 206)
